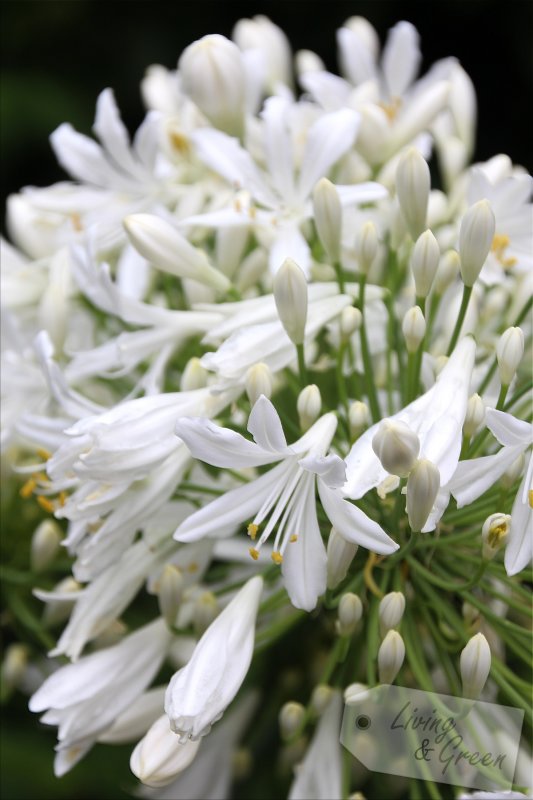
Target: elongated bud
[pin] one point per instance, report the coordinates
(258, 381)
(170, 592)
(290, 294)
(349, 613)
(509, 352)
(340, 554)
(291, 717)
(475, 238)
(14, 665)
(423, 486)
(358, 417)
(160, 756)
(161, 244)
(204, 612)
(412, 187)
(448, 271)
(45, 544)
(413, 328)
(327, 212)
(494, 534)
(475, 666)
(424, 262)
(212, 75)
(320, 698)
(350, 321)
(355, 693)
(308, 405)
(194, 376)
(475, 415)
(391, 608)
(366, 247)
(390, 657)
(396, 446)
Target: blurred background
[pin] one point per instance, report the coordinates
(57, 55)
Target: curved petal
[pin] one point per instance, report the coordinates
(507, 429)
(473, 477)
(519, 550)
(401, 58)
(219, 446)
(353, 524)
(265, 426)
(331, 469)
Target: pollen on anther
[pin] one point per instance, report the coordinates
(44, 454)
(254, 553)
(62, 497)
(252, 530)
(530, 498)
(294, 537)
(276, 557)
(28, 489)
(46, 504)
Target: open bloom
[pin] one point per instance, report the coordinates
(285, 496)
(198, 694)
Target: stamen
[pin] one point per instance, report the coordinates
(28, 489)
(254, 553)
(252, 530)
(276, 557)
(499, 245)
(294, 537)
(46, 504)
(530, 498)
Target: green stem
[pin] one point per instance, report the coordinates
(467, 291)
(501, 397)
(302, 369)
(340, 277)
(365, 352)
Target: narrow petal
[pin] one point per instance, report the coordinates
(356, 59)
(219, 446)
(329, 91)
(473, 477)
(401, 58)
(329, 138)
(80, 156)
(519, 550)
(278, 146)
(289, 242)
(265, 426)
(353, 524)
(112, 132)
(507, 429)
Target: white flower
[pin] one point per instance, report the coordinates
(198, 694)
(519, 549)
(285, 495)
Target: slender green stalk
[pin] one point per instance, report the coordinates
(467, 291)
(365, 352)
(302, 369)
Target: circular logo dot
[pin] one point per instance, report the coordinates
(363, 722)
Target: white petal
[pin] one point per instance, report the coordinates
(329, 138)
(278, 146)
(331, 468)
(473, 477)
(113, 134)
(353, 524)
(219, 446)
(367, 192)
(265, 426)
(507, 429)
(329, 91)
(356, 58)
(519, 549)
(401, 58)
(80, 156)
(289, 243)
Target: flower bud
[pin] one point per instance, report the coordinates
(260, 34)
(14, 665)
(204, 612)
(448, 271)
(414, 328)
(366, 247)
(170, 592)
(475, 666)
(327, 212)
(390, 657)
(494, 534)
(212, 75)
(355, 693)
(161, 244)
(160, 756)
(58, 610)
(320, 698)
(340, 554)
(258, 381)
(306, 61)
(290, 294)
(475, 238)
(424, 262)
(396, 446)
(391, 608)
(412, 187)
(194, 376)
(45, 544)
(308, 405)
(509, 352)
(475, 415)
(358, 417)
(291, 717)
(349, 613)
(350, 321)
(423, 485)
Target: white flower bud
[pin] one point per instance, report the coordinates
(194, 376)
(161, 244)
(258, 381)
(358, 417)
(448, 271)
(327, 211)
(475, 666)
(424, 262)
(307, 61)
(58, 610)
(290, 294)
(396, 446)
(412, 187)
(212, 74)
(45, 544)
(320, 698)
(159, 756)
(391, 608)
(513, 472)
(260, 34)
(509, 352)
(204, 612)
(308, 405)
(494, 534)
(291, 717)
(340, 554)
(423, 485)
(475, 415)
(349, 613)
(366, 247)
(170, 592)
(413, 328)
(350, 321)
(475, 238)
(355, 693)
(390, 657)
(14, 665)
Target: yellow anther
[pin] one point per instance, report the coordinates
(252, 530)
(42, 477)
(62, 498)
(276, 557)
(496, 533)
(46, 503)
(76, 222)
(44, 454)
(530, 498)
(499, 245)
(28, 489)
(192, 567)
(180, 143)
(254, 553)
(294, 537)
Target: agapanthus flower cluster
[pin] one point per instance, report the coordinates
(266, 414)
